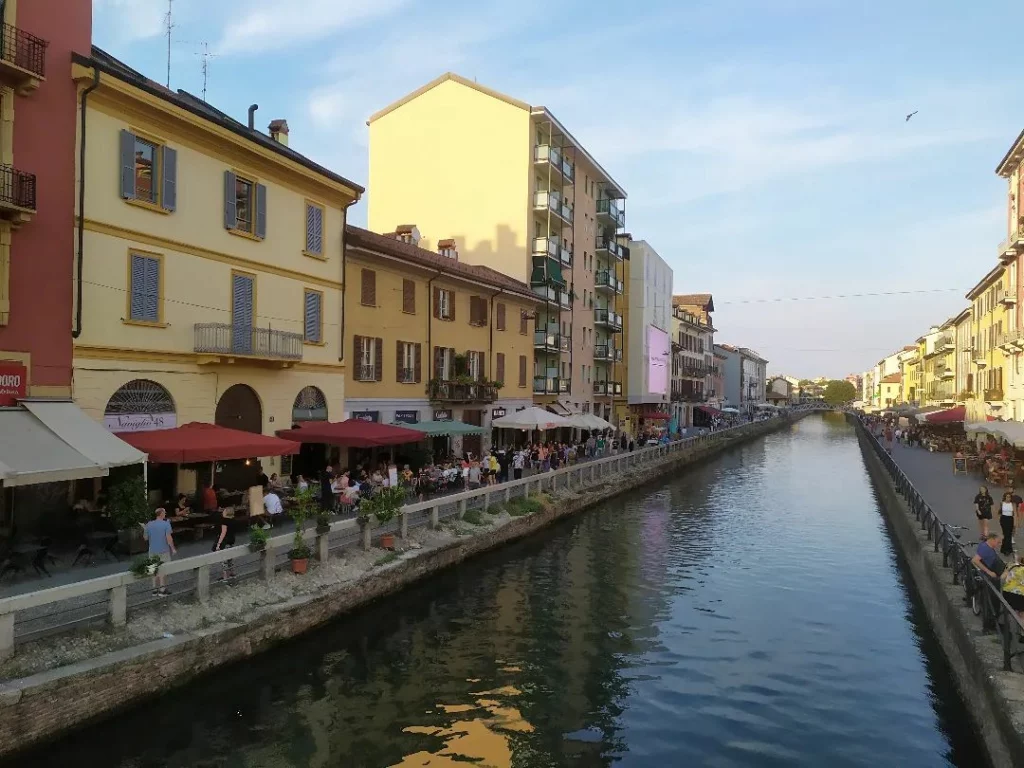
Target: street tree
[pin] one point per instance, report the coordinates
(838, 392)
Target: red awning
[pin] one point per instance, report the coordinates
(948, 416)
(351, 433)
(655, 415)
(196, 442)
(709, 410)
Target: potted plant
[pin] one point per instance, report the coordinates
(258, 539)
(128, 510)
(383, 506)
(303, 507)
(323, 522)
(299, 554)
(144, 566)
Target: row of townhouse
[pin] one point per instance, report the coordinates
(210, 273)
(973, 358)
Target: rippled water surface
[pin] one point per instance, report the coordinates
(749, 612)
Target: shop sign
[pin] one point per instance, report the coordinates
(498, 413)
(140, 422)
(444, 414)
(407, 417)
(13, 382)
(373, 416)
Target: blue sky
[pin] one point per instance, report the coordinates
(762, 142)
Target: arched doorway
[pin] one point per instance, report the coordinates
(239, 408)
(310, 405)
(139, 406)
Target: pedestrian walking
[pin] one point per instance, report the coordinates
(888, 440)
(224, 533)
(518, 462)
(983, 510)
(1007, 517)
(161, 544)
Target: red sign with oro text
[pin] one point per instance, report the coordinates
(13, 382)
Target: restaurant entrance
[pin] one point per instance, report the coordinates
(472, 443)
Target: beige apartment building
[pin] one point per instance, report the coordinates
(516, 192)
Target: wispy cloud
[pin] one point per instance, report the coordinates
(131, 20)
(265, 26)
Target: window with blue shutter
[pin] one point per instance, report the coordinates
(144, 297)
(313, 313)
(314, 229)
(243, 294)
(148, 171)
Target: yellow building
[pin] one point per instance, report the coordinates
(212, 282)
(889, 391)
(910, 374)
(990, 299)
(431, 339)
(518, 193)
(1011, 254)
(940, 366)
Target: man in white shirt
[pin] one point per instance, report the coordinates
(272, 503)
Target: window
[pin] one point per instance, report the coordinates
(523, 319)
(407, 357)
(444, 304)
(499, 373)
(444, 362)
(368, 355)
(368, 288)
(475, 365)
(144, 305)
(522, 370)
(312, 332)
(409, 297)
(245, 206)
(477, 310)
(149, 171)
(501, 317)
(314, 229)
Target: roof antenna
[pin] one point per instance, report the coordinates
(170, 26)
(206, 56)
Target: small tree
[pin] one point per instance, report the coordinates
(126, 502)
(838, 392)
(303, 508)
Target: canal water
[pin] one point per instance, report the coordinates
(749, 612)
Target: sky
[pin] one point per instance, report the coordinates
(762, 143)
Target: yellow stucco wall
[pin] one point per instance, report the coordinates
(456, 163)
(387, 321)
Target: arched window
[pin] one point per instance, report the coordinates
(310, 405)
(140, 405)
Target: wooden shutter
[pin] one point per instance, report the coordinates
(378, 359)
(314, 229)
(169, 173)
(472, 310)
(501, 317)
(522, 370)
(137, 302)
(312, 317)
(523, 328)
(368, 293)
(438, 362)
(437, 304)
(127, 165)
(409, 297)
(261, 211)
(230, 211)
(357, 356)
(243, 291)
(499, 374)
(418, 355)
(151, 290)
(399, 363)
(451, 305)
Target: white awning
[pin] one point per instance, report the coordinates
(91, 439)
(30, 453)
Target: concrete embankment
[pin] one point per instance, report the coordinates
(41, 706)
(994, 697)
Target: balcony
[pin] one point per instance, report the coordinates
(444, 391)
(1013, 244)
(993, 394)
(552, 202)
(609, 214)
(550, 385)
(550, 247)
(608, 318)
(980, 361)
(607, 388)
(564, 300)
(1008, 296)
(606, 246)
(606, 282)
(407, 375)
(223, 340)
(606, 353)
(546, 272)
(945, 343)
(946, 374)
(550, 342)
(22, 59)
(17, 195)
(1005, 341)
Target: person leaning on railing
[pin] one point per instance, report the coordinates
(1013, 590)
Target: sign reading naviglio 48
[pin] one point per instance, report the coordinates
(13, 382)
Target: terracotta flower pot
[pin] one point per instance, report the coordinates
(299, 566)
(387, 541)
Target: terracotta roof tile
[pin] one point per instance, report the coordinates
(702, 300)
(892, 378)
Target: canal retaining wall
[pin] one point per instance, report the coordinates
(995, 698)
(45, 705)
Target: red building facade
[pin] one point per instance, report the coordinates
(38, 161)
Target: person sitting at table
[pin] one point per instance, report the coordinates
(275, 481)
(301, 484)
(184, 507)
(210, 501)
(272, 504)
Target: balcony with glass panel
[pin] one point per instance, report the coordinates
(606, 246)
(609, 214)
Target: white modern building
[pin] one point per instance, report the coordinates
(753, 379)
(650, 327)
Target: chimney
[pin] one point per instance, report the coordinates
(408, 233)
(279, 131)
(448, 249)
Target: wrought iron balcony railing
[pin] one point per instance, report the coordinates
(17, 188)
(226, 339)
(23, 50)
(462, 392)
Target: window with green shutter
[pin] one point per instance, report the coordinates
(314, 229)
(144, 291)
(313, 317)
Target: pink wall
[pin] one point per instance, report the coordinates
(658, 362)
(42, 251)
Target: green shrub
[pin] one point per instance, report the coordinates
(521, 507)
(126, 503)
(474, 517)
(258, 539)
(147, 565)
(495, 509)
(390, 557)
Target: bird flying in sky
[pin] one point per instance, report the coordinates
(910, 116)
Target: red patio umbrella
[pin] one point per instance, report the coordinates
(351, 433)
(949, 416)
(198, 442)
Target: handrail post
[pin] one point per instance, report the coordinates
(203, 583)
(119, 605)
(366, 537)
(461, 506)
(323, 548)
(1007, 639)
(435, 516)
(403, 525)
(268, 563)
(6, 635)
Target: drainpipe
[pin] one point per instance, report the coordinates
(344, 276)
(430, 324)
(77, 330)
(490, 329)
(252, 116)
